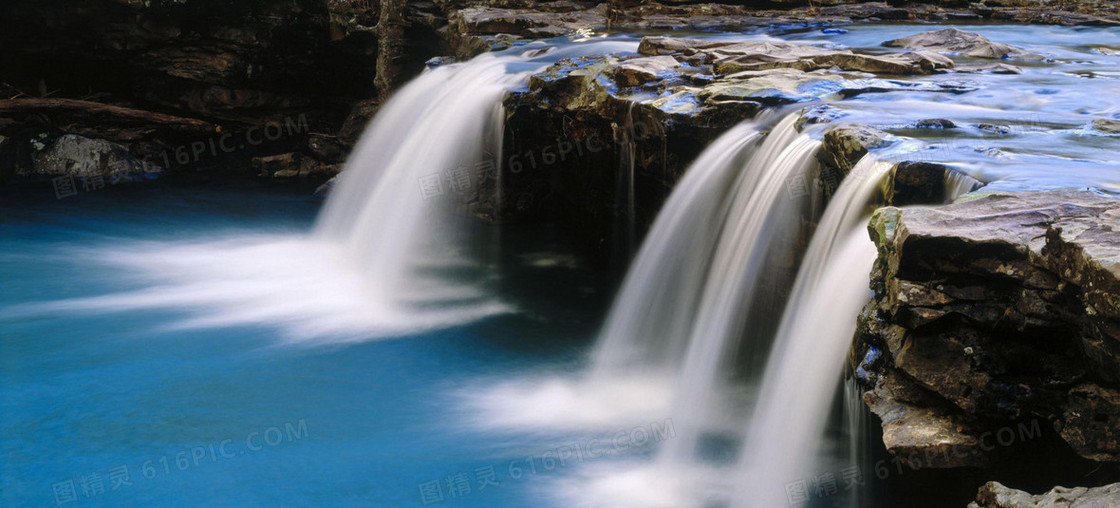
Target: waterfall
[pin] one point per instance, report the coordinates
(393, 212)
(803, 370)
(625, 205)
(710, 300)
(855, 427)
(388, 255)
(762, 225)
(649, 322)
(430, 146)
(958, 183)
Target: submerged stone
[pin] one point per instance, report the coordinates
(934, 123)
(993, 68)
(774, 86)
(994, 129)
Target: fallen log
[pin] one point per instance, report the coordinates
(99, 120)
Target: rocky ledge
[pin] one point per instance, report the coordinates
(995, 495)
(1000, 311)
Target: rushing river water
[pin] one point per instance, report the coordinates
(183, 345)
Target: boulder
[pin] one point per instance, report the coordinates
(73, 155)
(952, 40)
(663, 45)
(1089, 422)
(846, 144)
(866, 10)
(918, 182)
(1091, 14)
(934, 123)
(640, 70)
(996, 495)
(326, 147)
(1002, 306)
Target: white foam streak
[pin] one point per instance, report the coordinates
(304, 288)
(567, 404)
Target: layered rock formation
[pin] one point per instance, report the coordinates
(997, 310)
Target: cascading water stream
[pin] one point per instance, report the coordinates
(644, 336)
(649, 322)
(625, 233)
(957, 183)
(758, 235)
(807, 360)
(762, 224)
(854, 426)
(398, 178)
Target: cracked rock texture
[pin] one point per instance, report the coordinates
(999, 308)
